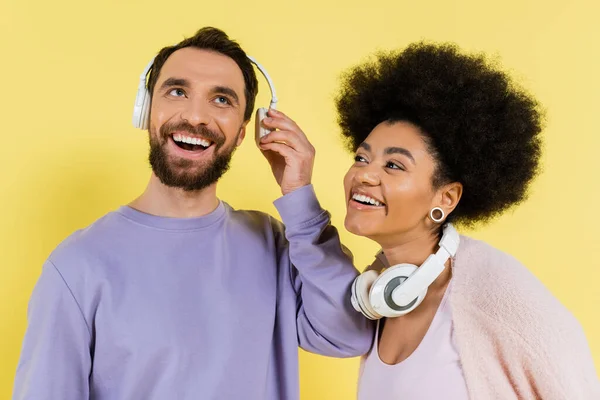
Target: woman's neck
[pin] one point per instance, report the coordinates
(414, 248)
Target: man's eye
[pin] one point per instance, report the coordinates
(177, 92)
(223, 100)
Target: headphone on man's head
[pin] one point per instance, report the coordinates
(398, 290)
(141, 108)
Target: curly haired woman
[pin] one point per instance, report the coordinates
(442, 137)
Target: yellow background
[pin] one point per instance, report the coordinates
(68, 154)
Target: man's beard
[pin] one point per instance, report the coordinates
(175, 172)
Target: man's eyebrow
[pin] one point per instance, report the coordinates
(170, 82)
(227, 91)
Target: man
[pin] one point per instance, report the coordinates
(177, 295)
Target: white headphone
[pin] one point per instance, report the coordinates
(401, 288)
(141, 108)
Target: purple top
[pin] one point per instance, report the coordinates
(137, 306)
(432, 371)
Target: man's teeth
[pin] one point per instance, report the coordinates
(365, 199)
(190, 140)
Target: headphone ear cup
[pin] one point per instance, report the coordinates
(145, 111)
(138, 107)
(360, 294)
(260, 131)
(380, 296)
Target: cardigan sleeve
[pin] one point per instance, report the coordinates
(560, 363)
(514, 337)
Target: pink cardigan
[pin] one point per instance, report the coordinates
(515, 339)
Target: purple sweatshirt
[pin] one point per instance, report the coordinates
(143, 307)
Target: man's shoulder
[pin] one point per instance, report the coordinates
(87, 242)
(255, 219)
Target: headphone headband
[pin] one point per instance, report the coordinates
(144, 74)
(449, 241)
(142, 101)
(430, 269)
(268, 78)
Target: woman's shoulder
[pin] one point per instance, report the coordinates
(497, 300)
(492, 282)
(479, 261)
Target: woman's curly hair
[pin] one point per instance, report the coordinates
(481, 128)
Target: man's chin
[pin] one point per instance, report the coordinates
(186, 174)
(187, 182)
(185, 165)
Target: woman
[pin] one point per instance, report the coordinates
(443, 137)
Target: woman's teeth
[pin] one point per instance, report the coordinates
(361, 198)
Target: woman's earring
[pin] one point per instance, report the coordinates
(441, 212)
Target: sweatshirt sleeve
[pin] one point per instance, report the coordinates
(322, 273)
(55, 359)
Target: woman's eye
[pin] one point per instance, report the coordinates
(359, 159)
(392, 165)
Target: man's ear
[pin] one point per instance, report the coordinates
(242, 134)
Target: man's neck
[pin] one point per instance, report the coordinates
(164, 201)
